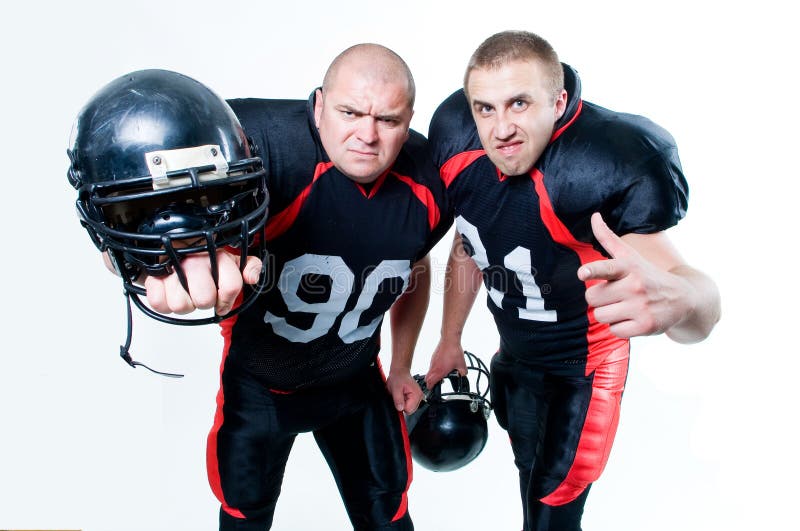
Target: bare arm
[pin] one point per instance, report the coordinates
(646, 288)
(462, 283)
(406, 316)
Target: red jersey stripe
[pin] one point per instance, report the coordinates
(456, 165)
(375, 187)
(601, 340)
(425, 196)
(566, 125)
(280, 222)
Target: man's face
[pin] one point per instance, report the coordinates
(515, 113)
(363, 122)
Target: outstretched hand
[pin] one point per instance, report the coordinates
(630, 293)
(167, 295)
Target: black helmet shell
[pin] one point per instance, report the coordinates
(449, 429)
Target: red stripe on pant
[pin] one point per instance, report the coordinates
(403, 508)
(599, 428)
(212, 465)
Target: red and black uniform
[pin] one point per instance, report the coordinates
(303, 357)
(558, 377)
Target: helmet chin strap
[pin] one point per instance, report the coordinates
(124, 350)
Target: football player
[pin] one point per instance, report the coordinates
(355, 205)
(561, 209)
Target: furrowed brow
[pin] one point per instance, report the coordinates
(388, 117)
(350, 109)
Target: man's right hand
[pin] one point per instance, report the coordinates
(448, 355)
(166, 294)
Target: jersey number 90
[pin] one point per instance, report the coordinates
(342, 281)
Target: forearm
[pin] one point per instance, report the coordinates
(407, 315)
(462, 283)
(703, 307)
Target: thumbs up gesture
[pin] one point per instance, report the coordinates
(635, 291)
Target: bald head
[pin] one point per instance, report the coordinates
(374, 62)
(363, 111)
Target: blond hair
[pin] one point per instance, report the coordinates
(508, 46)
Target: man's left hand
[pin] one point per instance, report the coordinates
(628, 292)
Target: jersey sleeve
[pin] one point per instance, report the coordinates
(279, 130)
(253, 115)
(452, 130)
(445, 218)
(654, 193)
(429, 188)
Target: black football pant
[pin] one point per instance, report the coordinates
(561, 430)
(360, 433)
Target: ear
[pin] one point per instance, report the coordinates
(317, 106)
(561, 104)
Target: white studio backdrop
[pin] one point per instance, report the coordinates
(707, 438)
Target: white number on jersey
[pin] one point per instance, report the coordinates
(342, 281)
(519, 262)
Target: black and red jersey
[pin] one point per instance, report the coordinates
(340, 253)
(530, 233)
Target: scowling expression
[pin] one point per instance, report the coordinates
(363, 120)
(515, 113)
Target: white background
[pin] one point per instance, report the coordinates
(707, 438)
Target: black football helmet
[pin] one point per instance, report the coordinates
(163, 169)
(449, 429)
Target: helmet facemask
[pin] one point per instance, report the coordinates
(163, 170)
